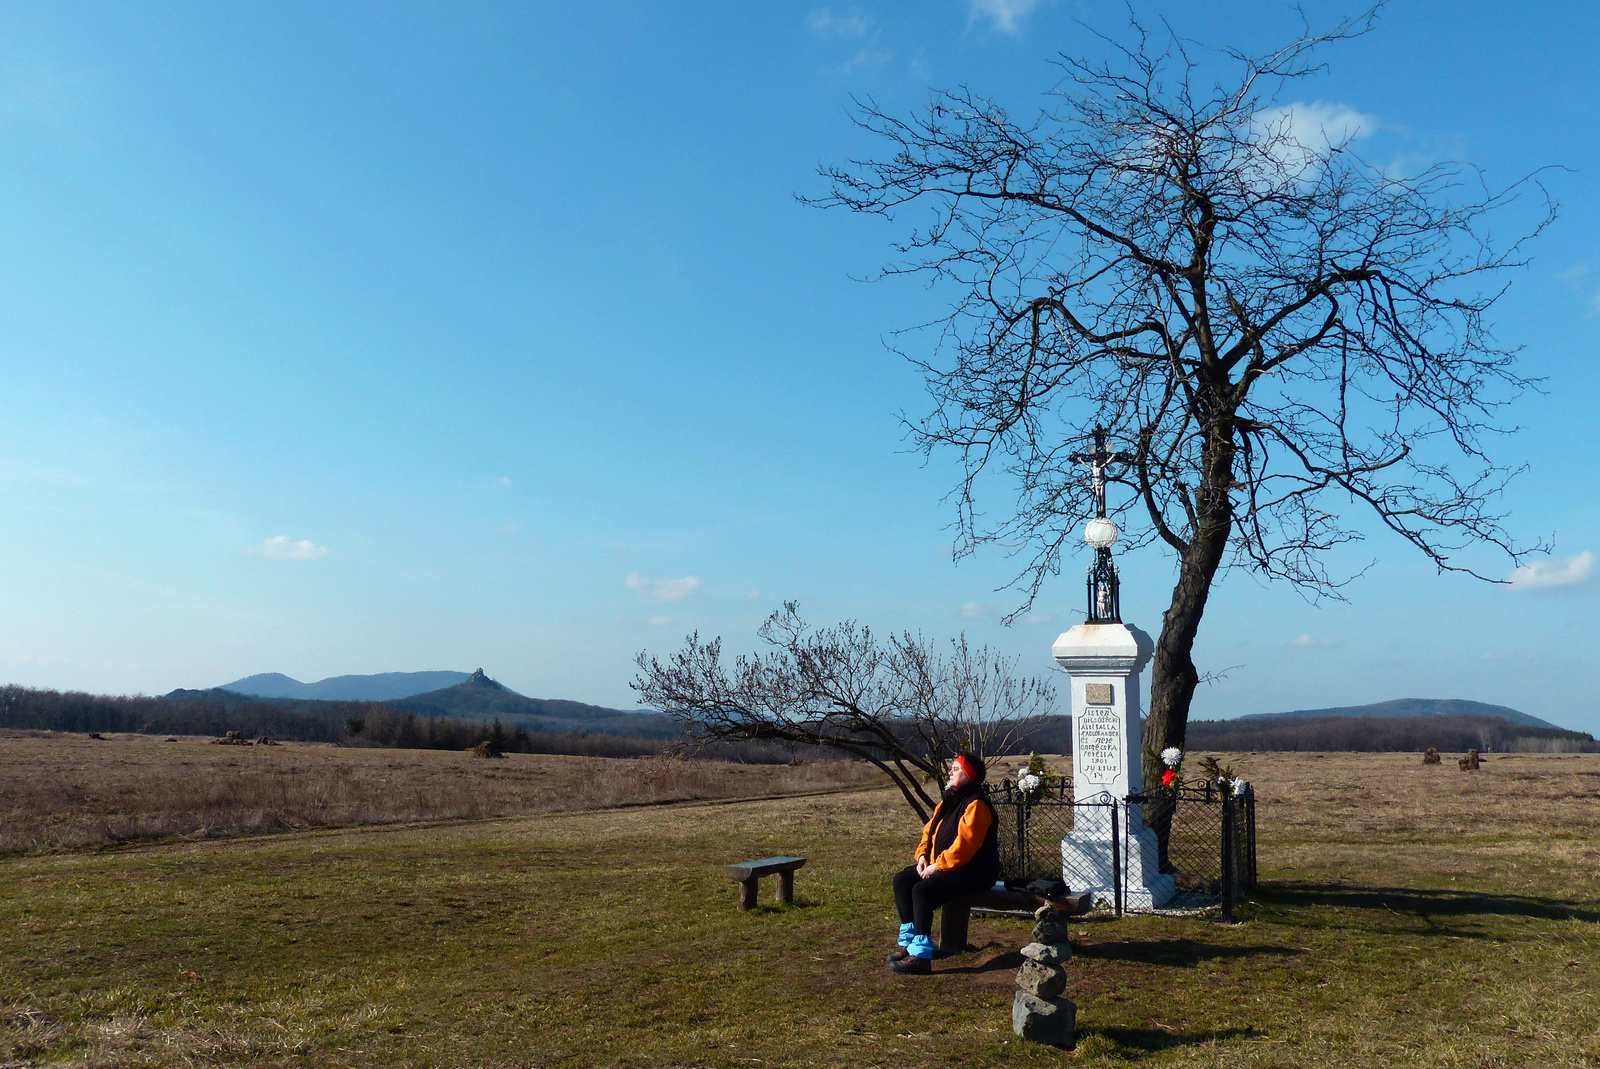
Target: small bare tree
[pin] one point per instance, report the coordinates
(897, 703)
(1271, 327)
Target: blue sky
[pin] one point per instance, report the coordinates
(357, 338)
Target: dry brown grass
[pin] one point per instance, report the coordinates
(59, 791)
(1407, 917)
(1522, 822)
(1521, 818)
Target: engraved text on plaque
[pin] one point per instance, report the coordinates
(1100, 743)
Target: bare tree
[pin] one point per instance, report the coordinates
(896, 703)
(1272, 327)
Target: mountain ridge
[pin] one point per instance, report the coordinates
(1408, 709)
(481, 698)
(379, 687)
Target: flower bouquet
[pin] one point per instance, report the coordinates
(1034, 778)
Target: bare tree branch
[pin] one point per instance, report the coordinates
(897, 703)
(1276, 329)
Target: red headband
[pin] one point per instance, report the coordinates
(966, 766)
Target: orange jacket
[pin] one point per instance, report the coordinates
(975, 821)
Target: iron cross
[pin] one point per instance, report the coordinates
(1097, 461)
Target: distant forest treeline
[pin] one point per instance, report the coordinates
(215, 713)
(1450, 734)
(346, 723)
(50, 710)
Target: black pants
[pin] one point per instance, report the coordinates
(916, 898)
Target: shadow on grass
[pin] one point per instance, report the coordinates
(1010, 961)
(764, 908)
(1155, 1039)
(1422, 903)
(1178, 953)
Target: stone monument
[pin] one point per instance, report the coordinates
(1104, 657)
(1040, 1011)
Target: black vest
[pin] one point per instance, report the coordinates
(947, 822)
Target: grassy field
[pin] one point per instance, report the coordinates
(1408, 916)
(72, 791)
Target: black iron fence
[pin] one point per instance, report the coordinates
(1203, 838)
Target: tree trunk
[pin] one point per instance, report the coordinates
(1173, 677)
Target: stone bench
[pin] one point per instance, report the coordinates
(956, 915)
(748, 876)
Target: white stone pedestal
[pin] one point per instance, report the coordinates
(1104, 661)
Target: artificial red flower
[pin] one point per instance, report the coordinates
(1169, 777)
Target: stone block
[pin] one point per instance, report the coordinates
(1048, 953)
(1045, 981)
(1053, 1021)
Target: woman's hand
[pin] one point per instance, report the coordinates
(922, 867)
(930, 870)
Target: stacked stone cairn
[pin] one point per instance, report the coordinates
(1039, 1012)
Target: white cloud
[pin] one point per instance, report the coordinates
(1547, 574)
(660, 621)
(973, 611)
(867, 57)
(828, 24)
(664, 589)
(1306, 642)
(856, 31)
(1579, 279)
(754, 595)
(1038, 619)
(1300, 135)
(280, 547)
(1003, 15)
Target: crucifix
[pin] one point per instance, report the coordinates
(1100, 532)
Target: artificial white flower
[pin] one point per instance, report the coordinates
(1171, 756)
(1028, 783)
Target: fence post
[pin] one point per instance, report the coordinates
(1230, 873)
(1023, 860)
(1116, 862)
(1250, 817)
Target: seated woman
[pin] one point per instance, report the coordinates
(959, 854)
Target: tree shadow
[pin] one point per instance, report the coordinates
(1176, 953)
(1151, 1040)
(1424, 904)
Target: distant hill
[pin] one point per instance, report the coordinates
(1407, 709)
(1383, 733)
(385, 686)
(481, 698)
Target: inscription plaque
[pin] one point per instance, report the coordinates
(1097, 693)
(1100, 743)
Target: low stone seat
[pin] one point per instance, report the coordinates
(956, 915)
(748, 876)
